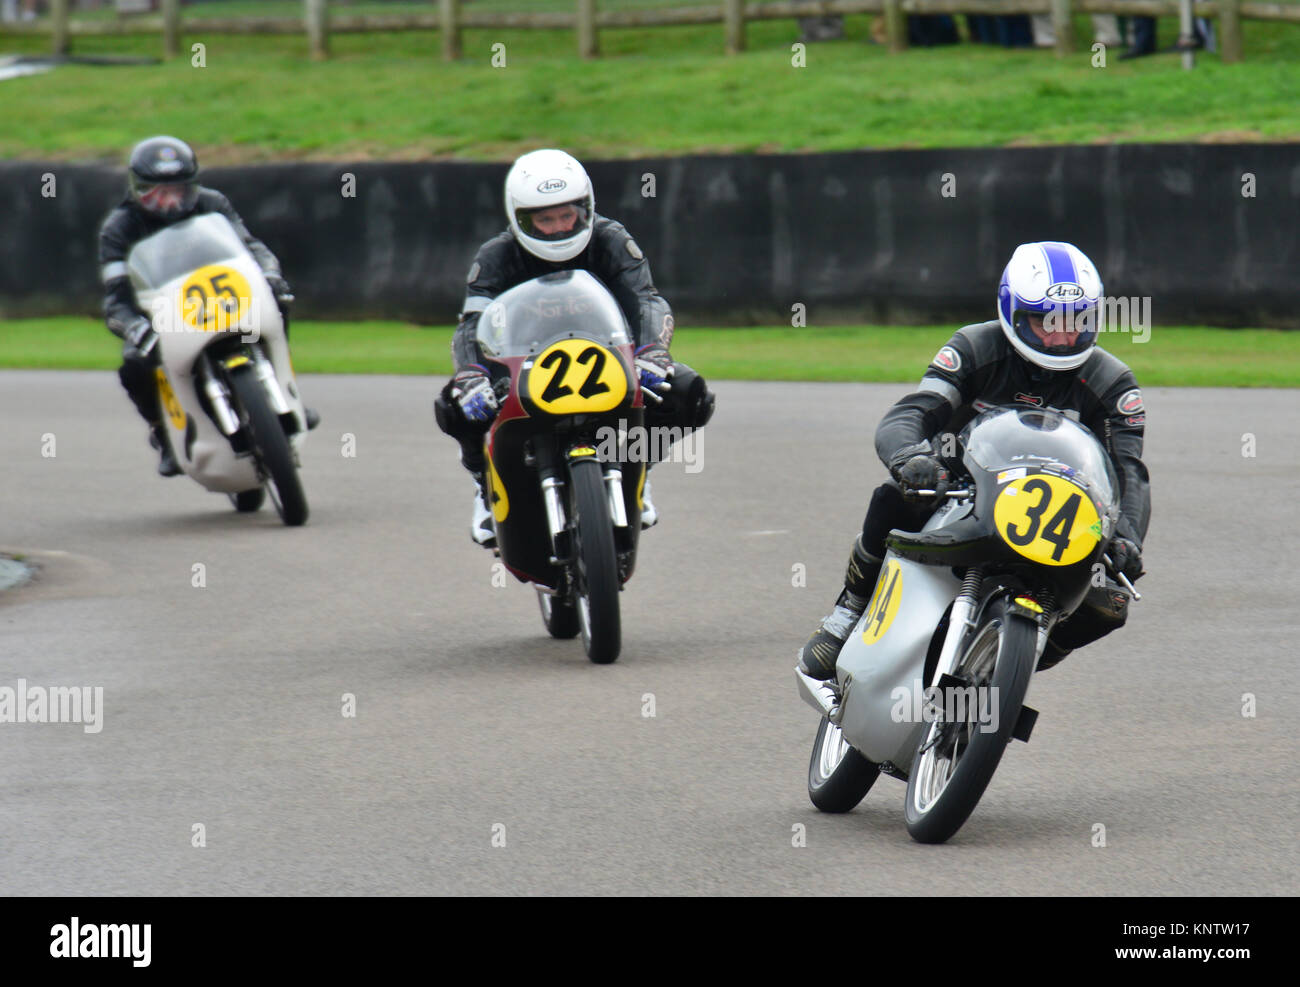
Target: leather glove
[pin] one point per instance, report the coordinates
(472, 390)
(1127, 557)
(655, 367)
(923, 473)
(140, 334)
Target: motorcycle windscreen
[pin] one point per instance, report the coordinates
(1006, 437)
(181, 248)
(567, 304)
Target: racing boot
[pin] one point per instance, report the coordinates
(649, 516)
(167, 465)
(312, 416)
(817, 658)
(481, 529)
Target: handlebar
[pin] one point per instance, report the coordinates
(958, 494)
(1120, 577)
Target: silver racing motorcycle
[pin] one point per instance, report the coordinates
(930, 685)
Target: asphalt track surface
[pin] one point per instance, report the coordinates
(223, 704)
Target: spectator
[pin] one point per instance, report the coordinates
(1009, 31)
(1105, 30)
(928, 30)
(1142, 37)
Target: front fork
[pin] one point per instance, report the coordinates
(553, 498)
(1040, 608)
(218, 393)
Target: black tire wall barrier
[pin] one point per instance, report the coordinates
(1209, 232)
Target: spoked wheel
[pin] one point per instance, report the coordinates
(597, 602)
(839, 777)
(956, 758)
(559, 616)
(270, 446)
(247, 501)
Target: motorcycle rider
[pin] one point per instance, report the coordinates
(553, 226)
(162, 189)
(1040, 352)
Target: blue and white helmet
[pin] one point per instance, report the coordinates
(1057, 281)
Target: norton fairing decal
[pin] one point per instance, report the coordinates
(884, 602)
(1047, 519)
(173, 407)
(215, 298)
(577, 376)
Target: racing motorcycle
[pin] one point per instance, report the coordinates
(230, 402)
(930, 685)
(566, 503)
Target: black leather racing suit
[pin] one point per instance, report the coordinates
(611, 255)
(122, 229)
(978, 369)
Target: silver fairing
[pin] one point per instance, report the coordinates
(877, 718)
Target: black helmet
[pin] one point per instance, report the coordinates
(164, 177)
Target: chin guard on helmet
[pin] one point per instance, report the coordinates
(539, 186)
(1056, 283)
(163, 177)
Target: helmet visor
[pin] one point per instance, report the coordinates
(553, 223)
(166, 198)
(1062, 330)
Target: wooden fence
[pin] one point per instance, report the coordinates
(450, 20)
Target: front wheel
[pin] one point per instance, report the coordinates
(839, 777)
(598, 584)
(956, 757)
(270, 446)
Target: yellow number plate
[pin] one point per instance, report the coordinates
(577, 376)
(215, 298)
(1047, 519)
(884, 602)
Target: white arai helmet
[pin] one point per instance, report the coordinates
(1057, 282)
(537, 184)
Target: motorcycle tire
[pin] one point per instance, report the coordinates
(942, 792)
(598, 585)
(270, 446)
(839, 777)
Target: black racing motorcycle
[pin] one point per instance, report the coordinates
(566, 503)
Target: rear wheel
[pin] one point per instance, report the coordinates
(559, 616)
(270, 446)
(247, 501)
(956, 758)
(597, 603)
(839, 777)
